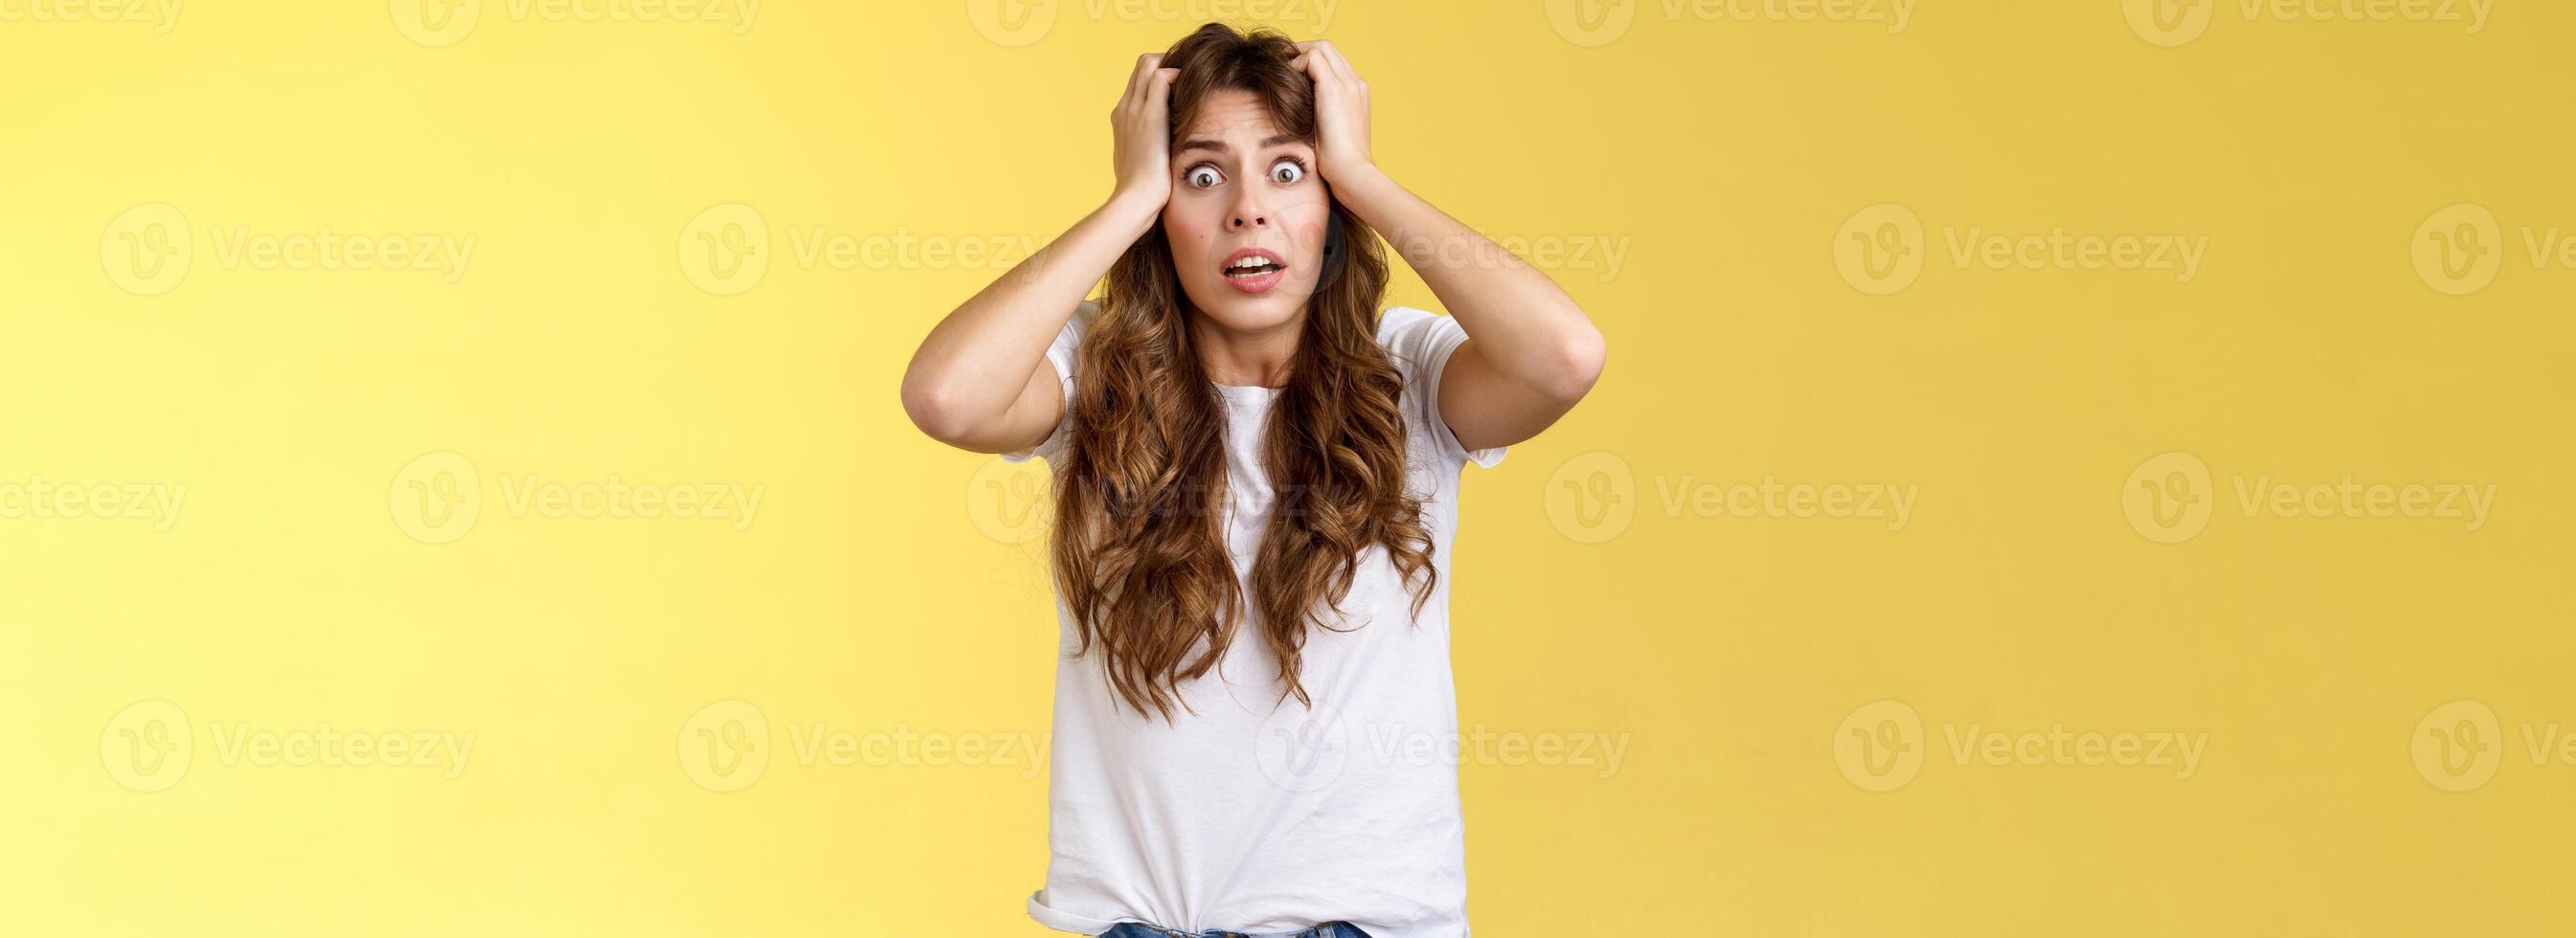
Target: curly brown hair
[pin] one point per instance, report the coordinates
(1140, 546)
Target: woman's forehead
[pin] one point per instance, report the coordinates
(1231, 114)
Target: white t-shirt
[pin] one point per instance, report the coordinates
(1253, 817)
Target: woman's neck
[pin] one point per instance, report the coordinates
(1259, 358)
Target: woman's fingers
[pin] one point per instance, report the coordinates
(1310, 59)
(1332, 58)
(1313, 64)
(1158, 90)
(1141, 78)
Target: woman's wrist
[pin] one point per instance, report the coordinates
(1134, 211)
(1359, 177)
(1368, 191)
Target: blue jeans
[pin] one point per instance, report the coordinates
(1326, 930)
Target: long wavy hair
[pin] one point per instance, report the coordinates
(1140, 546)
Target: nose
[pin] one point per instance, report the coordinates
(1248, 212)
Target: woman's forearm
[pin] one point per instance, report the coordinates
(974, 364)
(1525, 325)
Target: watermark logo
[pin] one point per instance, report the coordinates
(1012, 23)
(1591, 22)
(1015, 23)
(1303, 748)
(725, 249)
(1306, 749)
(162, 15)
(146, 747)
(147, 250)
(436, 23)
(45, 500)
(822, 744)
(1879, 747)
(1601, 255)
(2176, 22)
(1879, 249)
(150, 248)
(1599, 23)
(436, 498)
(149, 747)
(727, 746)
(2168, 497)
(1771, 498)
(2171, 497)
(1594, 497)
(1591, 498)
(1009, 501)
(724, 747)
(2169, 23)
(2459, 249)
(2458, 746)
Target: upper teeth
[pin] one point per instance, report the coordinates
(1253, 261)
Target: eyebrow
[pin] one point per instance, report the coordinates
(1220, 147)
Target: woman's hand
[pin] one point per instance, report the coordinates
(1142, 126)
(1341, 112)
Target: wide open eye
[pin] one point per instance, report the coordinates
(1203, 176)
(1287, 172)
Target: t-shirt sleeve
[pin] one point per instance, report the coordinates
(1421, 343)
(1062, 354)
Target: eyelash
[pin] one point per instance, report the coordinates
(1303, 171)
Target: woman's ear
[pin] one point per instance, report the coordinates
(1337, 249)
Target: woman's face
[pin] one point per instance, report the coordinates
(1248, 214)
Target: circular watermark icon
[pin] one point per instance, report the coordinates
(1879, 249)
(1009, 500)
(436, 498)
(2167, 499)
(724, 747)
(146, 747)
(436, 23)
(2458, 746)
(2169, 23)
(1591, 22)
(1012, 23)
(2458, 250)
(725, 250)
(1591, 498)
(1879, 747)
(147, 250)
(1303, 748)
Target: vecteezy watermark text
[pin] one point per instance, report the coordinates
(40, 499)
(2171, 497)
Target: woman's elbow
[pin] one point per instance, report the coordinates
(934, 409)
(1581, 358)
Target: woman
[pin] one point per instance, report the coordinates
(1257, 481)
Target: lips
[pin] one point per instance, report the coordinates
(1252, 270)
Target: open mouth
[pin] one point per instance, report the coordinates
(1252, 270)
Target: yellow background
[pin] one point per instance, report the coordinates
(878, 588)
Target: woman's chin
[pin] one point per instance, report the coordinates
(1240, 311)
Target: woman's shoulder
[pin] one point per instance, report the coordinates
(1068, 340)
(1403, 323)
(1083, 316)
(1418, 340)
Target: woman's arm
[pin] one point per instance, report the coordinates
(1530, 353)
(981, 380)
